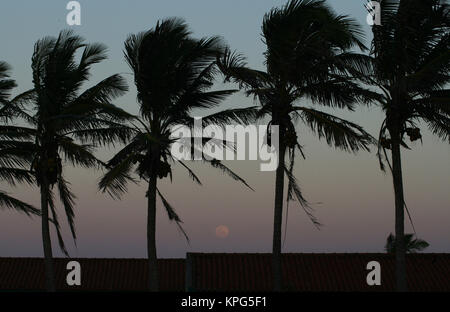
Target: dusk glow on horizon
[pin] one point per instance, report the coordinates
(349, 194)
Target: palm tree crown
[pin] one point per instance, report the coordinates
(412, 244)
(411, 67)
(307, 58)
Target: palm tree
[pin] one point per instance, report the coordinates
(308, 57)
(412, 244)
(14, 157)
(173, 74)
(67, 124)
(411, 62)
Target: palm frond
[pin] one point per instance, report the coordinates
(337, 132)
(15, 155)
(7, 201)
(234, 68)
(68, 200)
(15, 175)
(117, 177)
(77, 154)
(296, 191)
(226, 117)
(99, 97)
(17, 106)
(219, 165)
(55, 222)
(191, 173)
(16, 133)
(173, 216)
(104, 136)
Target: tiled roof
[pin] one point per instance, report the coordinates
(233, 272)
(315, 272)
(96, 274)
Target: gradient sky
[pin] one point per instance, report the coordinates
(354, 199)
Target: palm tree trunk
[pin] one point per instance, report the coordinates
(400, 248)
(151, 234)
(278, 221)
(46, 239)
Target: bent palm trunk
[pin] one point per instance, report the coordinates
(46, 239)
(278, 218)
(151, 234)
(400, 248)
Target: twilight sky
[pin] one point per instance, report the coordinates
(354, 199)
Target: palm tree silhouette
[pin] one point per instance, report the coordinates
(67, 124)
(173, 74)
(411, 62)
(308, 57)
(412, 245)
(14, 156)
